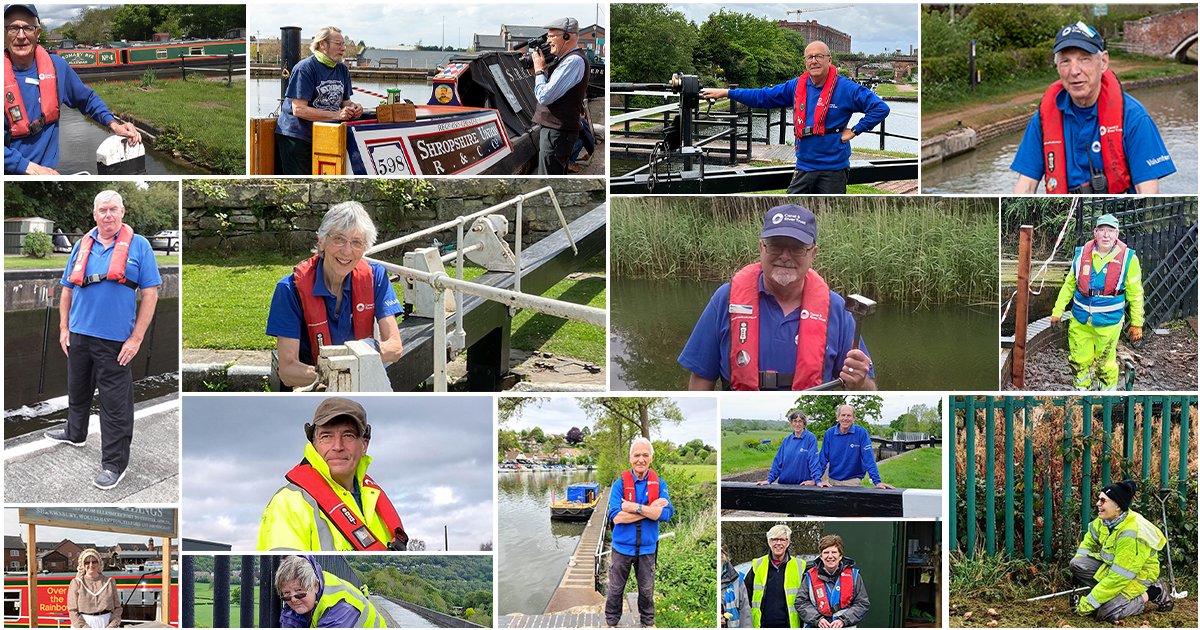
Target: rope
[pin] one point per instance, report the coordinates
(1046, 263)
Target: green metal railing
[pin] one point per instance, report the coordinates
(1061, 442)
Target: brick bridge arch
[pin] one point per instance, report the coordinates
(1169, 34)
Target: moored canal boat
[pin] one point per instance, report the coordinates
(580, 502)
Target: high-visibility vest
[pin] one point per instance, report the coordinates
(1121, 560)
(745, 313)
(791, 587)
(348, 525)
(1099, 298)
(1110, 110)
(316, 320)
(338, 590)
(14, 106)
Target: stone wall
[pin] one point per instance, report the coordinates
(27, 289)
(284, 214)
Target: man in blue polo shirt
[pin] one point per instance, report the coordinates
(637, 503)
(791, 330)
(846, 451)
(101, 327)
(334, 285)
(1089, 136)
(821, 122)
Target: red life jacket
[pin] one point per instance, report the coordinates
(845, 590)
(362, 294)
(743, 330)
(359, 535)
(14, 105)
(116, 265)
(822, 109)
(630, 493)
(1110, 110)
(1083, 275)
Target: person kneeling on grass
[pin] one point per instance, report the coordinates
(1118, 559)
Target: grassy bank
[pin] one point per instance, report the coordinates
(59, 261)
(228, 299)
(203, 120)
(913, 250)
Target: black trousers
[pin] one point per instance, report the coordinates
(294, 156)
(618, 575)
(91, 364)
(819, 182)
(554, 150)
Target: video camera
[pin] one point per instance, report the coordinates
(538, 43)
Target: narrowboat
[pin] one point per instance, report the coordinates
(140, 592)
(580, 502)
(152, 54)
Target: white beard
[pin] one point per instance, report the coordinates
(785, 276)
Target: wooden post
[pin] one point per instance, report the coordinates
(165, 600)
(32, 573)
(1022, 314)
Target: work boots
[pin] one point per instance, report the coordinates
(1160, 594)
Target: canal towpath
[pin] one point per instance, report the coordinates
(38, 471)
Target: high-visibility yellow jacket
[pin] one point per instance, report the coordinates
(1129, 558)
(1134, 291)
(337, 590)
(293, 520)
(792, 571)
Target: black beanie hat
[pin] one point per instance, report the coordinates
(1121, 492)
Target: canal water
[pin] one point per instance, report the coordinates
(986, 169)
(945, 347)
(79, 136)
(35, 394)
(533, 550)
(263, 94)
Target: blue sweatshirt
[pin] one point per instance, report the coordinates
(796, 460)
(848, 455)
(827, 152)
(42, 148)
(625, 535)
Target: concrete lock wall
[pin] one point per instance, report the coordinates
(28, 289)
(283, 215)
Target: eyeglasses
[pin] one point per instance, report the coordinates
(342, 241)
(814, 57)
(13, 29)
(791, 246)
(1101, 500)
(337, 42)
(295, 596)
(778, 540)
(89, 562)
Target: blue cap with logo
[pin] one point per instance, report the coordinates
(792, 221)
(28, 8)
(1079, 35)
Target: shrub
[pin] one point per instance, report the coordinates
(38, 245)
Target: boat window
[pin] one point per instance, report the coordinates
(12, 604)
(196, 50)
(161, 53)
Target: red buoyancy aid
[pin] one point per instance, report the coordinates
(362, 294)
(743, 330)
(116, 265)
(14, 105)
(630, 492)
(1110, 110)
(801, 103)
(845, 590)
(359, 535)
(1083, 275)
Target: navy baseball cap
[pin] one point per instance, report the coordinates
(1079, 35)
(792, 221)
(27, 7)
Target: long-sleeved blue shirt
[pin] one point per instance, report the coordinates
(42, 148)
(566, 76)
(625, 535)
(848, 455)
(827, 152)
(796, 460)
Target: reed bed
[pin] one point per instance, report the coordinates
(912, 250)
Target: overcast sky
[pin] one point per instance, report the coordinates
(873, 28)
(771, 406)
(391, 24)
(56, 534)
(559, 414)
(433, 455)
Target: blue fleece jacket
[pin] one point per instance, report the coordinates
(796, 460)
(848, 455)
(827, 152)
(625, 535)
(43, 147)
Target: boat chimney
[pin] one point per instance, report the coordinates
(289, 54)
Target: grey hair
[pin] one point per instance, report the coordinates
(323, 34)
(640, 440)
(84, 555)
(107, 195)
(850, 407)
(779, 531)
(298, 569)
(348, 217)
